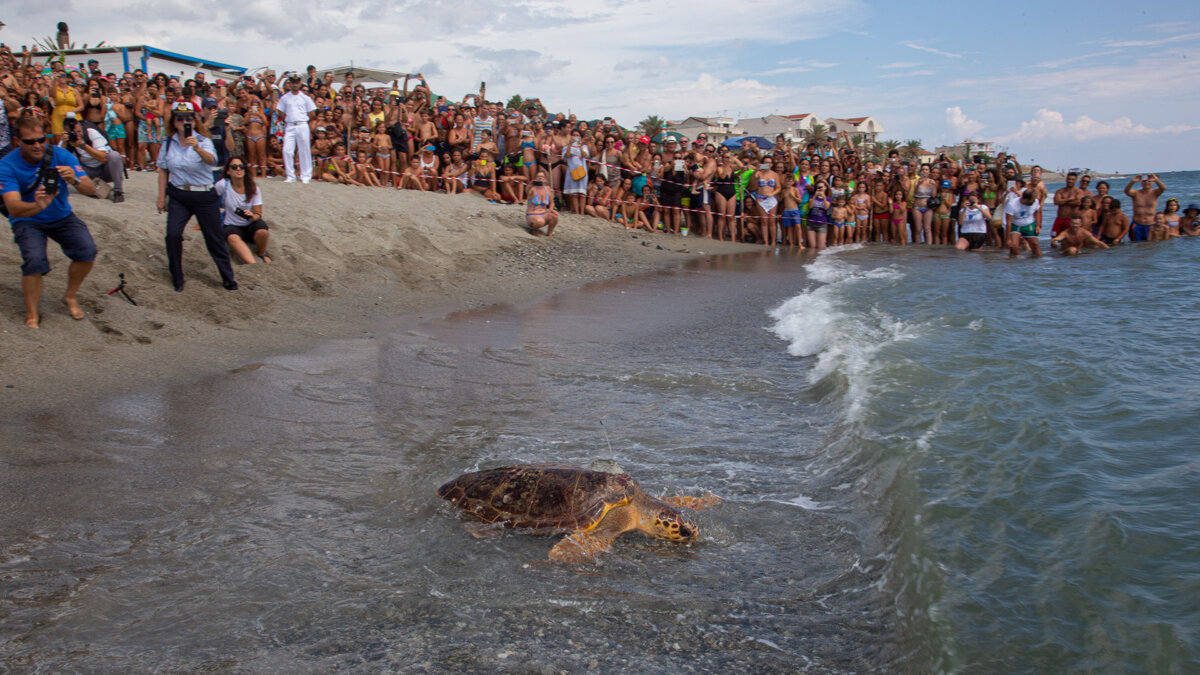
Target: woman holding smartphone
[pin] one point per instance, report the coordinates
(185, 189)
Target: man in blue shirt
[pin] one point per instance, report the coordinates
(36, 215)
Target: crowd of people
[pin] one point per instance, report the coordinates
(308, 127)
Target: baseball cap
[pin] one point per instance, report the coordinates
(644, 140)
(221, 83)
(394, 92)
(945, 184)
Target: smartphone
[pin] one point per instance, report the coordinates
(50, 179)
(187, 129)
(483, 85)
(679, 165)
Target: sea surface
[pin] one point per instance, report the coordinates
(931, 462)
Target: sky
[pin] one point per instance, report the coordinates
(1102, 85)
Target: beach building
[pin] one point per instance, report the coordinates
(862, 130)
(925, 157)
(718, 129)
(795, 128)
(967, 148)
(121, 60)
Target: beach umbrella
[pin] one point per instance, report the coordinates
(736, 142)
(664, 135)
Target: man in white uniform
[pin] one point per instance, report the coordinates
(298, 109)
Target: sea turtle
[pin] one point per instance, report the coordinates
(595, 507)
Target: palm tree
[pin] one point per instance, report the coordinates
(819, 131)
(887, 146)
(652, 125)
(911, 149)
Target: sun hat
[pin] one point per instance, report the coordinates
(1192, 207)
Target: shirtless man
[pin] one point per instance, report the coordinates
(1069, 202)
(1145, 204)
(1074, 239)
(1114, 224)
(1038, 185)
(1189, 222)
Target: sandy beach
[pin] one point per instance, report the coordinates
(344, 259)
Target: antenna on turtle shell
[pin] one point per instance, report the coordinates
(610, 450)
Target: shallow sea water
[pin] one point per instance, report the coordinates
(931, 462)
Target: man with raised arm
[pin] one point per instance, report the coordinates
(1145, 204)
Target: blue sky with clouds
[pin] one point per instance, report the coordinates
(1106, 85)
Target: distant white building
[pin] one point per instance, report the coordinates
(795, 128)
(717, 129)
(966, 149)
(861, 129)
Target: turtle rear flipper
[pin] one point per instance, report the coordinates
(581, 547)
(700, 503)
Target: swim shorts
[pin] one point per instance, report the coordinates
(1060, 223)
(975, 240)
(1028, 231)
(791, 218)
(1139, 232)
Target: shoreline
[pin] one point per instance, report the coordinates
(343, 265)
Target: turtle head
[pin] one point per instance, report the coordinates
(673, 525)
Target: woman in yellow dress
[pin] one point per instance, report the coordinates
(65, 101)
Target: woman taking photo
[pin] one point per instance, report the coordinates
(243, 221)
(185, 189)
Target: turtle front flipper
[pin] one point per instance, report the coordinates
(581, 547)
(700, 503)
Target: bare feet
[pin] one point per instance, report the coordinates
(31, 321)
(72, 307)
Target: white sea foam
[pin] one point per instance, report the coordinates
(819, 322)
(801, 501)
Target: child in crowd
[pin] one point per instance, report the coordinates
(789, 203)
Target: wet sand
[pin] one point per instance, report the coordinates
(344, 258)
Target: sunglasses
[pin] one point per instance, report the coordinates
(236, 166)
(33, 141)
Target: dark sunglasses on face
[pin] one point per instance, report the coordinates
(236, 167)
(33, 141)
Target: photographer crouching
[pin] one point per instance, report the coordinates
(185, 189)
(33, 182)
(88, 141)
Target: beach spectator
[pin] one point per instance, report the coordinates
(1114, 224)
(185, 189)
(1145, 204)
(1021, 223)
(973, 222)
(576, 182)
(242, 204)
(1069, 200)
(297, 110)
(66, 100)
(1075, 238)
(1189, 223)
(33, 183)
(89, 143)
(539, 210)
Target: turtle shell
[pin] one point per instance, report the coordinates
(540, 497)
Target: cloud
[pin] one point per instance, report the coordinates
(522, 63)
(708, 94)
(1050, 125)
(931, 50)
(1058, 63)
(961, 125)
(1153, 43)
(900, 64)
(911, 73)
